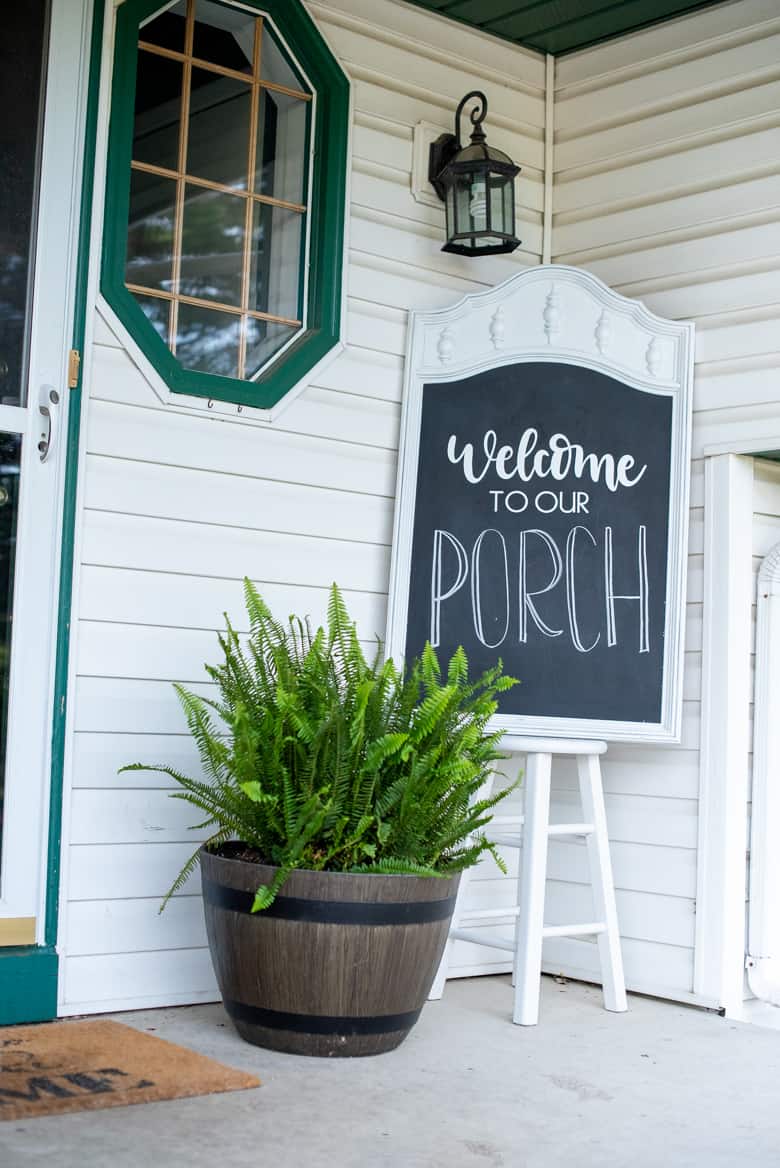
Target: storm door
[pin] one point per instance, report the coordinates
(39, 52)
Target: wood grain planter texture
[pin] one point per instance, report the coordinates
(339, 965)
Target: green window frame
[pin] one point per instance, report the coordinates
(329, 127)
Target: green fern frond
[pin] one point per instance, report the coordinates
(318, 759)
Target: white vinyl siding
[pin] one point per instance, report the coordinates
(179, 506)
(667, 187)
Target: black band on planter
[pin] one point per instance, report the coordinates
(331, 912)
(320, 1023)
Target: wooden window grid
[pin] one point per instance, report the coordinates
(181, 177)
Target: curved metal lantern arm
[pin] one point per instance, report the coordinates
(477, 115)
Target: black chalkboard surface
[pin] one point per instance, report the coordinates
(540, 536)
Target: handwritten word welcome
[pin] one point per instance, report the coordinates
(558, 460)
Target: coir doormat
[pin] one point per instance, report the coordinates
(70, 1066)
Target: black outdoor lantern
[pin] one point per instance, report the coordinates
(477, 184)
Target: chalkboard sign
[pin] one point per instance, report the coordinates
(543, 495)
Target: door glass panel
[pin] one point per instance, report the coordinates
(150, 234)
(22, 53)
(10, 456)
(167, 29)
(21, 76)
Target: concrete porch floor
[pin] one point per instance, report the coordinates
(663, 1085)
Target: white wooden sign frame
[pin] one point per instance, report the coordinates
(555, 313)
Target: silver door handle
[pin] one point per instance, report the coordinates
(49, 400)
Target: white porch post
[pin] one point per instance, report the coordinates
(725, 736)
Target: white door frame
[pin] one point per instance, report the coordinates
(725, 731)
(36, 578)
(763, 959)
(721, 911)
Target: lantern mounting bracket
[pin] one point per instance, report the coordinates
(446, 146)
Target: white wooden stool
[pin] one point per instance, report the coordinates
(536, 829)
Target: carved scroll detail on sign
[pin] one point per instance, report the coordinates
(543, 502)
(552, 315)
(497, 328)
(446, 345)
(653, 357)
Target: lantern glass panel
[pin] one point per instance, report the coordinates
(462, 220)
(478, 201)
(501, 205)
(450, 209)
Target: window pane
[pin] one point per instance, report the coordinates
(275, 65)
(224, 36)
(281, 147)
(150, 234)
(212, 245)
(207, 340)
(202, 235)
(167, 29)
(275, 270)
(263, 339)
(218, 143)
(10, 459)
(157, 312)
(21, 57)
(157, 111)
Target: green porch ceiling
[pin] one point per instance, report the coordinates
(560, 26)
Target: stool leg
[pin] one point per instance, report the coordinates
(592, 795)
(530, 919)
(437, 989)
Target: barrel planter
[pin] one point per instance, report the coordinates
(339, 965)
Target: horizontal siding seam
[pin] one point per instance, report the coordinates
(229, 475)
(85, 956)
(727, 365)
(231, 579)
(127, 789)
(278, 428)
(586, 884)
(201, 523)
(133, 733)
(739, 316)
(390, 267)
(150, 626)
(440, 278)
(669, 147)
(340, 396)
(708, 229)
(681, 100)
(148, 843)
(372, 214)
(374, 32)
(631, 843)
(670, 193)
(381, 312)
(637, 288)
(708, 47)
(383, 125)
(431, 97)
(384, 173)
(380, 170)
(177, 897)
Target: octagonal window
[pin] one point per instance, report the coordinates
(226, 193)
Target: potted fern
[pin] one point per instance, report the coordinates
(344, 798)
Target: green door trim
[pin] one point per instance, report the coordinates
(327, 212)
(28, 975)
